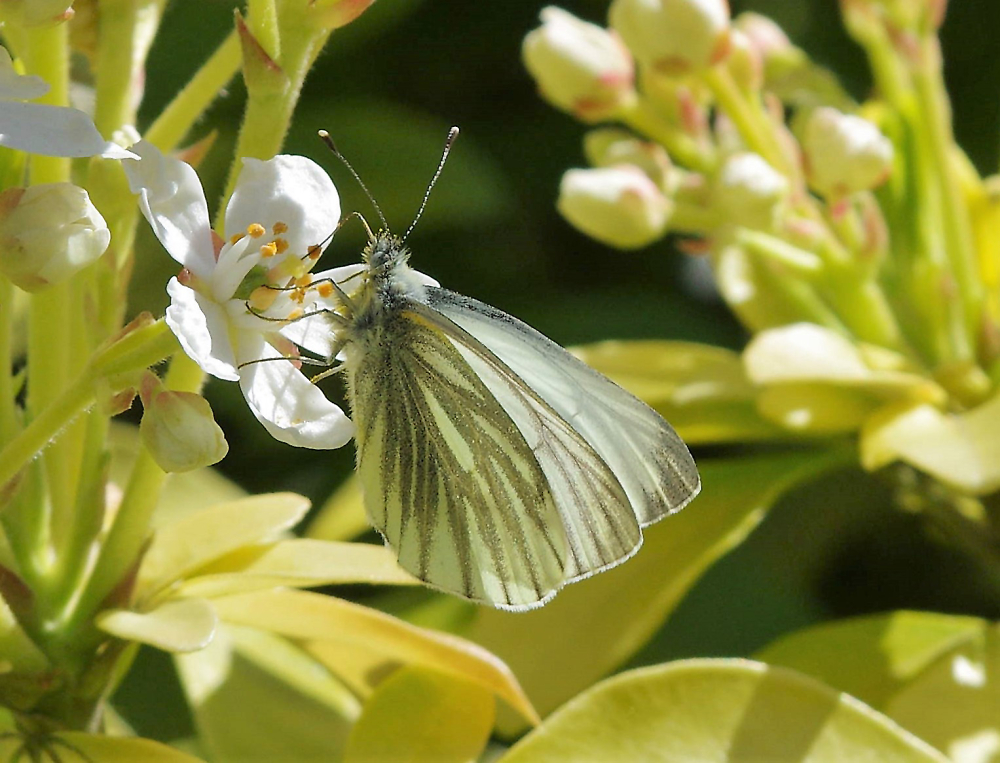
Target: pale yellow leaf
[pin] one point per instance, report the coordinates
(312, 617)
(181, 625)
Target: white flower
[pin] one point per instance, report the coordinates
(46, 130)
(673, 35)
(580, 67)
(237, 305)
(619, 206)
(48, 232)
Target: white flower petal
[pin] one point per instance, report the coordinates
(292, 409)
(290, 189)
(18, 87)
(52, 131)
(171, 198)
(201, 327)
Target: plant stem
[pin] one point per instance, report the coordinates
(682, 148)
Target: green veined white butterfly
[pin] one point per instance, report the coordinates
(497, 465)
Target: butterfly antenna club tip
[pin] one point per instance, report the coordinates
(448, 143)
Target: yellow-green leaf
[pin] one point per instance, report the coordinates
(701, 390)
(593, 626)
(326, 624)
(872, 658)
(343, 516)
(718, 710)
(73, 746)
(301, 563)
(431, 718)
(182, 625)
(17, 650)
(196, 539)
(256, 697)
(961, 449)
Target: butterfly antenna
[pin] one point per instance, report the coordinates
(325, 137)
(449, 141)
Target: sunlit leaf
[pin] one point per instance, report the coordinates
(182, 625)
(300, 562)
(77, 747)
(871, 658)
(594, 626)
(701, 390)
(324, 623)
(255, 697)
(434, 718)
(936, 675)
(342, 517)
(959, 449)
(718, 710)
(196, 539)
(17, 650)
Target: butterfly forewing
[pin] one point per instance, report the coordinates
(646, 456)
(449, 480)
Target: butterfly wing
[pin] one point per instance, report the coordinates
(647, 457)
(478, 484)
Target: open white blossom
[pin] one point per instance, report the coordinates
(41, 129)
(237, 306)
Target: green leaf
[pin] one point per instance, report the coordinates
(96, 748)
(300, 563)
(871, 658)
(595, 625)
(196, 539)
(255, 696)
(936, 675)
(182, 625)
(434, 718)
(701, 390)
(717, 710)
(337, 632)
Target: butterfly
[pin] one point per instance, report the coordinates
(497, 466)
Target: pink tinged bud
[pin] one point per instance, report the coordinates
(178, 428)
(619, 206)
(580, 67)
(35, 13)
(765, 36)
(610, 147)
(844, 153)
(749, 192)
(48, 233)
(334, 14)
(673, 36)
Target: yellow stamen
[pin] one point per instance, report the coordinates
(255, 230)
(314, 252)
(268, 250)
(325, 289)
(279, 228)
(281, 245)
(305, 280)
(262, 298)
(295, 314)
(236, 237)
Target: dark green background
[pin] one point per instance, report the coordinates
(389, 86)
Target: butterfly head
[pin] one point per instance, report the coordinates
(385, 253)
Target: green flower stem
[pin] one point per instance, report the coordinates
(935, 117)
(269, 110)
(802, 263)
(190, 103)
(862, 305)
(130, 529)
(47, 55)
(750, 119)
(133, 352)
(693, 218)
(262, 17)
(681, 147)
(8, 415)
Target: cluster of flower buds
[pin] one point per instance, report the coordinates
(858, 228)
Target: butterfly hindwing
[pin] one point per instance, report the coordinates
(645, 454)
(449, 480)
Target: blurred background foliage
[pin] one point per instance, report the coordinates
(387, 89)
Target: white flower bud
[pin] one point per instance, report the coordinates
(844, 153)
(674, 36)
(610, 147)
(745, 62)
(749, 191)
(579, 67)
(764, 35)
(178, 428)
(48, 233)
(619, 206)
